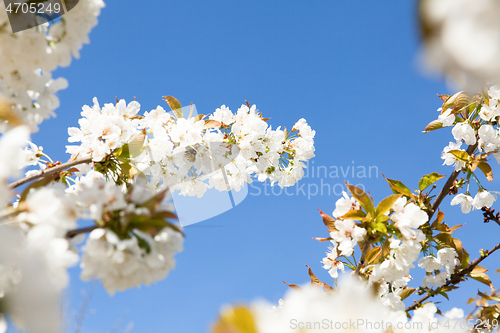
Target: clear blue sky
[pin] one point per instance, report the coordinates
(348, 67)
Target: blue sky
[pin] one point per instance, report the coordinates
(349, 67)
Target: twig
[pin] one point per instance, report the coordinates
(456, 278)
(361, 262)
(73, 233)
(446, 188)
(85, 305)
(49, 171)
(489, 215)
(119, 322)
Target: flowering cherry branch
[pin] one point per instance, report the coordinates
(48, 171)
(456, 278)
(447, 186)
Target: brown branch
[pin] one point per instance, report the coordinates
(456, 278)
(73, 233)
(49, 171)
(447, 186)
(489, 215)
(366, 247)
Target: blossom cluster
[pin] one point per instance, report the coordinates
(393, 273)
(35, 254)
(401, 238)
(129, 165)
(133, 242)
(446, 259)
(28, 58)
(193, 154)
(475, 123)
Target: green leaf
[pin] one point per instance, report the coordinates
(380, 227)
(486, 169)
(360, 195)
(432, 126)
(199, 117)
(386, 204)
(373, 256)
(153, 202)
(428, 180)
(355, 214)
(444, 294)
(165, 215)
(457, 244)
(175, 105)
(465, 260)
(398, 187)
(381, 218)
(460, 155)
(407, 291)
(134, 148)
(478, 274)
(439, 219)
(445, 239)
(488, 297)
(144, 224)
(456, 102)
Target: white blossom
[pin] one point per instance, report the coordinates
(464, 200)
(123, 263)
(29, 57)
(450, 159)
(430, 264)
(464, 131)
(331, 263)
(347, 235)
(344, 205)
(447, 118)
(408, 219)
(483, 199)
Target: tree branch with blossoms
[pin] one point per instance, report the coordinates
(448, 186)
(49, 171)
(122, 170)
(455, 278)
(400, 227)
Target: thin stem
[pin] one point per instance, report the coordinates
(361, 262)
(447, 186)
(456, 278)
(477, 181)
(49, 171)
(74, 232)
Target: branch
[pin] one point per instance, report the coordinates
(49, 171)
(361, 262)
(456, 278)
(489, 215)
(446, 188)
(73, 233)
